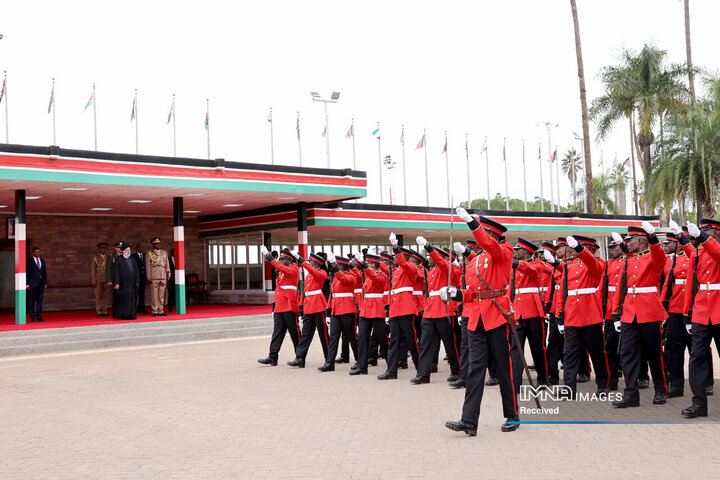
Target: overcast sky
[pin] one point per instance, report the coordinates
(482, 68)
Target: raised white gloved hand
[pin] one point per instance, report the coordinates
(693, 230)
(331, 257)
(647, 226)
(572, 243)
(616, 237)
(561, 329)
(263, 250)
(447, 292)
(421, 241)
(295, 254)
(675, 228)
(456, 263)
(359, 257)
(459, 247)
(548, 256)
(462, 213)
(393, 239)
(617, 326)
(688, 327)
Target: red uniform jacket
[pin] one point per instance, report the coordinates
(681, 273)
(495, 266)
(614, 274)
(376, 284)
(707, 302)
(469, 272)
(358, 290)
(583, 273)
(546, 282)
(527, 276)
(600, 288)
(419, 289)
(643, 271)
(313, 298)
(342, 296)
(438, 278)
(402, 301)
(286, 287)
(557, 296)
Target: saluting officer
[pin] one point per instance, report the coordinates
(611, 283)
(98, 276)
(553, 299)
(157, 267)
(343, 309)
(372, 310)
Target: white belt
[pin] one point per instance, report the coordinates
(582, 291)
(375, 295)
(357, 290)
(644, 289)
(681, 281)
(612, 289)
(417, 292)
(401, 290)
(288, 287)
(386, 292)
(527, 290)
(710, 286)
(434, 293)
(343, 295)
(314, 292)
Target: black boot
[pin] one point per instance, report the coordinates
(388, 376)
(693, 411)
(342, 360)
(492, 381)
(459, 383)
(675, 392)
(660, 398)
(626, 402)
(327, 367)
(462, 426)
(298, 362)
(359, 371)
(453, 377)
(419, 379)
(510, 427)
(268, 361)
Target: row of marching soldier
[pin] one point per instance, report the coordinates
(642, 308)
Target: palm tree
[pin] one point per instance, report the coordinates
(571, 165)
(619, 176)
(602, 198)
(688, 51)
(583, 105)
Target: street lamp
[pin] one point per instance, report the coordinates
(390, 165)
(334, 98)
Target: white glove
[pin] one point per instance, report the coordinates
(295, 254)
(616, 237)
(548, 256)
(675, 227)
(359, 257)
(447, 292)
(572, 243)
(561, 329)
(456, 263)
(263, 250)
(331, 257)
(693, 230)
(327, 322)
(459, 248)
(387, 321)
(647, 226)
(462, 213)
(421, 241)
(393, 239)
(688, 327)
(617, 326)
(459, 321)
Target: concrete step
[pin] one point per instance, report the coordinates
(55, 340)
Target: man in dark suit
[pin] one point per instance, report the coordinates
(139, 258)
(36, 284)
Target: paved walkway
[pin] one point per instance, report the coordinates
(208, 410)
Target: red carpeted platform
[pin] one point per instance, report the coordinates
(83, 318)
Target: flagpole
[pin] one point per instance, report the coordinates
(524, 178)
(467, 162)
(298, 135)
(53, 111)
(550, 160)
(7, 128)
(379, 161)
(272, 143)
(136, 124)
(404, 173)
(542, 195)
(487, 172)
(174, 135)
(95, 115)
(447, 171)
(352, 128)
(507, 195)
(427, 184)
(207, 117)
(557, 176)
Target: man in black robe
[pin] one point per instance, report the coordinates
(126, 279)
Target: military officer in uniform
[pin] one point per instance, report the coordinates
(109, 272)
(157, 267)
(98, 276)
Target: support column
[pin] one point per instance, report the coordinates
(302, 229)
(267, 268)
(20, 260)
(179, 234)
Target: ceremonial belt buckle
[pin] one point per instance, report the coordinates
(484, 294)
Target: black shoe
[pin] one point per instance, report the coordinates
(510, 427)
(613, 384)
(459, 383)
(492, 381)
(163, 314)
(155, 314)
(342, 360)
(419, 379)
(582, 378)
(268, 361)
(454, 377)
(462, 426)
(602, 391)
(626, 402)
(434, 369)
(675, 392)
(40, 319)
(357, 365)
(359, 371)
(403, 366)
(709, 390)
(373, 362)
(553, 380)
(693, 411)
(327, 367)
(388, 376)
(298, 362)
(659, 398)
(644, 383)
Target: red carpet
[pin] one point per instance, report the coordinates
(83, 318)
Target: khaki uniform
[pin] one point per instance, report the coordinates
(98, 275)
(157, 267)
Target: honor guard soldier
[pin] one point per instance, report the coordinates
(314, 305)
(285, 305)
(553, 299)
(488, 328)
(529, 309)
(611, 284)
(98, 276)
(157, 267)
(372, 311)
(705, 311)
(403, 308)
(343, 308)
(438, 316)
(639, 313)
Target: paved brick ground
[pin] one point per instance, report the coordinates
(208, 410)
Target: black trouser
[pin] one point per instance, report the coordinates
(35, 298)
(678, 339)
(481, 346)
(434, 330)
(383, 346)
(578, 341)
(345, 325)
(701, 359)
(612, 342)
(464, 347)
(555, 347)
(141, 295)
(345, 351)
(283, 322)
(402, 327)
(636, 337)
(365, 327)
(532, 329)
(311, 321)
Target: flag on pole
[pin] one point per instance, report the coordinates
(2, 92)
(89, 102)
(172, 112)
(484, 147)
(539, 153)
(376, 133)
(601, 161)
(402, 137)
(504, 152)
(421, 143)
(554, 157)
(270, 118)
(134, 108)
(324, 131)
(445, 146)
(297, 125)
(52, 99)
(207, 120)
(466, 147)
(615, 161)
(523, 152)
(626, 162)
(350, 132)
